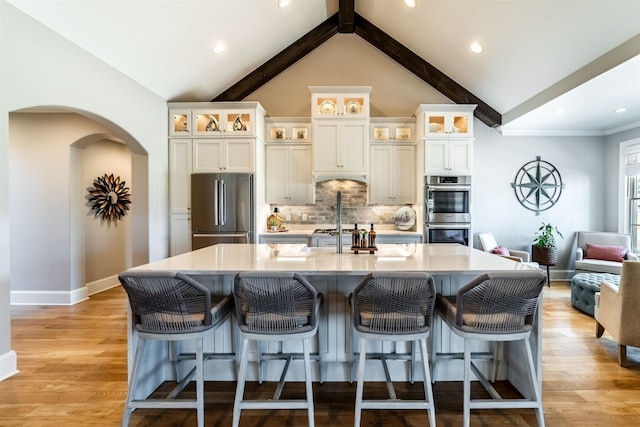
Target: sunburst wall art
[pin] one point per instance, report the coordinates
(109, 198)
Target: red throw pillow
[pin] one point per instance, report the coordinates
(606, 253)
(500, 250)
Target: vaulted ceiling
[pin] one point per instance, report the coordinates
(583, 56)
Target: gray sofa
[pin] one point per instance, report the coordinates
(588, 265)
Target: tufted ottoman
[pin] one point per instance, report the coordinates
(584, 287)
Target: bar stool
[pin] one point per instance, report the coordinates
(495, 307)
(276, 306)
(393, 307)
(172, 307)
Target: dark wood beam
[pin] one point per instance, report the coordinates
(346, 16)
(425, 71)
(283, 60)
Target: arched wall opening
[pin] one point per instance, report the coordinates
(55, 155)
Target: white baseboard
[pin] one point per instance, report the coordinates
(49, 297)
(8, 365)
(103, 284)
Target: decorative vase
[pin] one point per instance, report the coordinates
(544, 256)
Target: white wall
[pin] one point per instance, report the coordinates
(40, 68)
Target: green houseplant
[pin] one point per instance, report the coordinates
(544, 250)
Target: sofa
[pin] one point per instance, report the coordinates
(602, 252)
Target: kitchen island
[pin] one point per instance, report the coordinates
(335, 275)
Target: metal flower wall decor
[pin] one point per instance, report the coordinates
(538, 185)
(109, 198)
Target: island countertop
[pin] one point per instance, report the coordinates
(434, 258)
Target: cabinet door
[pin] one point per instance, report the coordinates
(436, 157)
(180, 175)
(460, 157)
(238, 122)
(354, 148)
(179, 123)
(238, 155)
(180, 234)
(325, 146)
(208, 155)
(277, 174)
(301, 189)
(381, 177)
(403, 170)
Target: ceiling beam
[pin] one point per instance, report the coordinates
(346, 16)
(279, 63)
(425, 71)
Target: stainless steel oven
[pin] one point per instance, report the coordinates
(447, 233)
(448, 199)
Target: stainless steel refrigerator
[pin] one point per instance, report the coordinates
(222, 209)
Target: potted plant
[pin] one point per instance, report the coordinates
(273, 223)
(544, 250)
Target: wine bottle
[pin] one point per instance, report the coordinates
(372, 237)
(354, 236)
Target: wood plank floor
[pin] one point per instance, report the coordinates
(73, 373)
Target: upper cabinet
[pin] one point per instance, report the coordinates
(292, 129)
(227, 122)
(179, 122)
(445, 120)
(390, 129)
(351, 102)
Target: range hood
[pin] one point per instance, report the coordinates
(328, 176)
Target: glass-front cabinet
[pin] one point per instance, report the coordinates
(389, 129)
(444, 120)
(180, 123)
(223, 122)
(288, 129)
(340, 101)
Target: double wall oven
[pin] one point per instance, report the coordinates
(447, 209)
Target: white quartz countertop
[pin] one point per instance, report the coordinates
(308, 231)
(434, 258)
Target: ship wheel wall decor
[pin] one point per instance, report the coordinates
(109, 198)
(538, 185)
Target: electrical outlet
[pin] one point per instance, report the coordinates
(304, 217)
(287, 217)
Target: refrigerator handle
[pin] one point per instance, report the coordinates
(216, 203)
(223, 207)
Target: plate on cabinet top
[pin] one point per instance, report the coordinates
(404, 218)
(354, 107)
(327, 107)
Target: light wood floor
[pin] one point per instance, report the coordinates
(73, 373)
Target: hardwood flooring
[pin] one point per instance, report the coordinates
(72, 363)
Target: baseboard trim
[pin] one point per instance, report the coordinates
(103, 284)
(49, 297)
(8, 365)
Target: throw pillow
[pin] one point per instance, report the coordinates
(500, 250)
(606, 253)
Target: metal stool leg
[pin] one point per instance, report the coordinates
(428, 391)
(307, 379)
(242, 375)
(467, 384)
(360, 383)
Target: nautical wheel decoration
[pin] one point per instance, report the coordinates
(109, 198)
(538, 185)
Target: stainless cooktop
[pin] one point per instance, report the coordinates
(332, 231)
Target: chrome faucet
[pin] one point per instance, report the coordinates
(339, 221)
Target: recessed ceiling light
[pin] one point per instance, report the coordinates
(283, 3)
(411, 3)
(218, 47)
(476, 47)
(621, 110)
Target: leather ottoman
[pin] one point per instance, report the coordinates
(584, 287)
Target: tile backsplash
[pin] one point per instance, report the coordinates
(354, 206)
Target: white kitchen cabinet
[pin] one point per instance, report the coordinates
(444, 120)
(179, 122)
(180, 175)
(389, 129)
(393, 174)
(288, 178)
(448, 156)
(283, 129)
(224, 122)
(348, 102)
(223, 155)
(341, 146)
(180, 233)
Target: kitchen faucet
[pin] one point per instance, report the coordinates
(339, 221)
